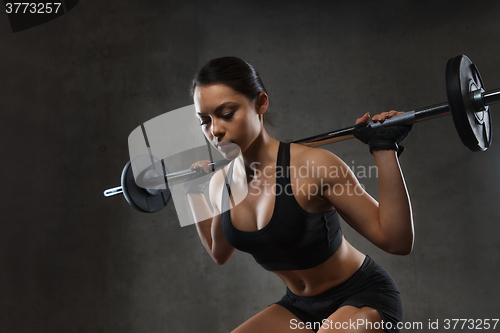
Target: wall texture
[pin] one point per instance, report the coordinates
(74, 88)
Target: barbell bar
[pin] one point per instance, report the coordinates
(468, 103)
(173, 178)
(408, 118)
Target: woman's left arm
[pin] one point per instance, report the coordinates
(388, 223)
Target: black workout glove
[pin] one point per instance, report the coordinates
(382, 138)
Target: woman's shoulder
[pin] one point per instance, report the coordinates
(308, 156)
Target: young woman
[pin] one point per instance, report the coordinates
(289, 220)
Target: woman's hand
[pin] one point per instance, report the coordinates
(197, 183)
(201, 164)
(378, 117)
(382, 138)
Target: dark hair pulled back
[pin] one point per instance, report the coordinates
(235, 73)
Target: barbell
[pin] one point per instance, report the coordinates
(468, 104)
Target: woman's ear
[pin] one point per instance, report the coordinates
(261, 103)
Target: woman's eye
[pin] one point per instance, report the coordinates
(228, 116)
(205, 121)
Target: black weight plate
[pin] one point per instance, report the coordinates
(473, 125)
(138, 197)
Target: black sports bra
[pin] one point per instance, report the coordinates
(293, 239)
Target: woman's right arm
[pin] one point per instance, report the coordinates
(210, 228)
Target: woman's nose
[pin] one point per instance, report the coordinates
(217, 128)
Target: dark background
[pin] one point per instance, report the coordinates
(73, 89)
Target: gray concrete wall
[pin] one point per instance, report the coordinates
(73, 89)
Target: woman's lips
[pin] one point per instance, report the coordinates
(224, 146)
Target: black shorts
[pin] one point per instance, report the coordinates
(371, 286)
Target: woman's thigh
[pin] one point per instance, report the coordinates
(350, 319)
(274, 319)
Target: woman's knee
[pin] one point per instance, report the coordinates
(350, 319)
(274, 319)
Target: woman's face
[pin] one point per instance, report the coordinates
(228, 119)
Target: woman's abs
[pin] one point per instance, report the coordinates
(335, 270)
